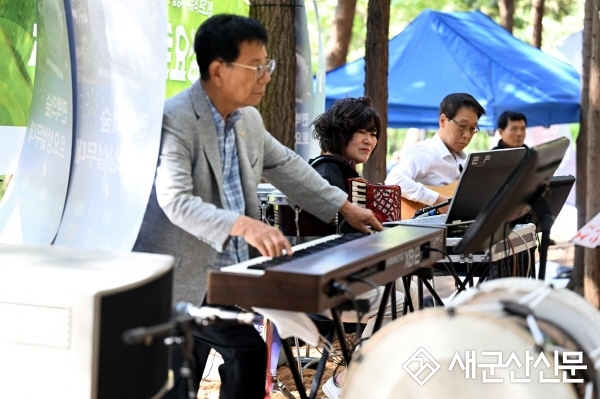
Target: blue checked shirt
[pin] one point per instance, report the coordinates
(236, 249)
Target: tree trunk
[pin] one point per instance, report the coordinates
(537, 14)
(592, 256)
(278, 106)
(376, 80)
(576, 282)
(341, 33)
(507, 12)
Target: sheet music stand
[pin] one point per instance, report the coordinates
(560, 187)
(524, 191)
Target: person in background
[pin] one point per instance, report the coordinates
(439, 161)
(396, 155)
(348, 133)
(512, 128)
(203, 208)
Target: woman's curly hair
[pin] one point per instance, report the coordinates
(334, 128)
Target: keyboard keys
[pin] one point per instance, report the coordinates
(306, 251)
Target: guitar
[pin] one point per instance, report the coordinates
(409, 207)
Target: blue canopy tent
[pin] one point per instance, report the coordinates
(441, 53)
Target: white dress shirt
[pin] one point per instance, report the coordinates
(428, 163)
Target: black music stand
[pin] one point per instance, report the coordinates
(524, 191)
(559, 187)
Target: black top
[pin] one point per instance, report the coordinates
(335, 171)
(502, 146)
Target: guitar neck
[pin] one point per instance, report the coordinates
(409, 207)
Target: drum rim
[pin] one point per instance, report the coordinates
(278, 198)
(554, 307)
(385, 336)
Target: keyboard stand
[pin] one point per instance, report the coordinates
(337, 328)
(423, 276)
(390, 290)
(295, 372)
(520, 240)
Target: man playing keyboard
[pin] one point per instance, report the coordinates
(203, 208)
(438, 161)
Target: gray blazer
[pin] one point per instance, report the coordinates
(185, 216)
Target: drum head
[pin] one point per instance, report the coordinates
(499, 289)
(563, 309)
(418, 357)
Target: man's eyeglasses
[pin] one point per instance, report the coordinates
(260, 70)
(463, 128)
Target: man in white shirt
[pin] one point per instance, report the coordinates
(438, 161)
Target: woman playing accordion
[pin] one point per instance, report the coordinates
(348, 132)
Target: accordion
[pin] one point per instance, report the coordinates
(384, 201)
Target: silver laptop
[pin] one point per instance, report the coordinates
(483, 175)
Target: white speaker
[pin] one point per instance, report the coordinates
(62, 314)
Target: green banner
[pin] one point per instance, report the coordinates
(184, 17)
(18, 46)
(17, 60)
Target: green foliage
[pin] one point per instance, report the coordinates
(16, 75)
(2, 188)
(574, 130)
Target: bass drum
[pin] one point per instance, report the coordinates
(476, 349)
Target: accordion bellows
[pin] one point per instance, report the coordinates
(383, 200)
